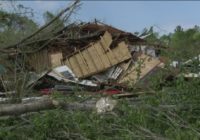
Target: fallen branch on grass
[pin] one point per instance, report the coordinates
(44, 103)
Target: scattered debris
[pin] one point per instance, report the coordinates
(110, 91)
(65, 74)
(92, 57)
(105, 104)
(190, 68)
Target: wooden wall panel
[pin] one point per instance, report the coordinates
(81, 63)
(102, 55)
(39, 61)
(45, 60)
(90, 62)
(97, 57)
(120, 52)
(55, 59)
(75, 67)
(147, 64)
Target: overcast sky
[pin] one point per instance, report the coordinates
(128, 15)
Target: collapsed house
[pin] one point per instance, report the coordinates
(90, 53)
(52, 55)
(102, 53)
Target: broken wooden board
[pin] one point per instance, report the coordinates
(142, 67)
(55, 59)
(97, 57)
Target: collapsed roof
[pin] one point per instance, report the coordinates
(86, 48)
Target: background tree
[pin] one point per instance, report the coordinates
(15, 25)
(184, 44)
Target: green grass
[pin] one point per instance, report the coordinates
(172, 113)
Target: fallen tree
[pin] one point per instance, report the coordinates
(43, 103)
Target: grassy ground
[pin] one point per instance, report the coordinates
(172, 113)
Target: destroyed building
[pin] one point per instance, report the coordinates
(98, 52)
(51, 55)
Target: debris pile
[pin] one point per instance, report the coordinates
(92, 55)
(102, 55)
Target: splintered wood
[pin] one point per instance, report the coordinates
(97, 57)
(141, 68)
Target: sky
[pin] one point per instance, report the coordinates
(130, 16)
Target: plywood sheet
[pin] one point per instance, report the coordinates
(141, 68)
(106, 40)
(90, 62)
(120, 52)
(75, 67)
(55, 59)
(97, 57)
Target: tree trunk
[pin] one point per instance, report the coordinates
(44, 103)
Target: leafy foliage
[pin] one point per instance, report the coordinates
(185, 44)
(15, 26)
